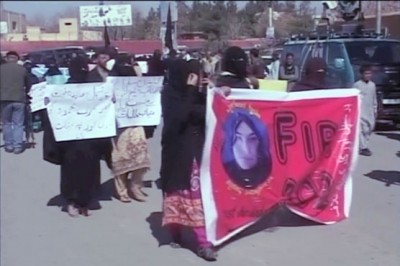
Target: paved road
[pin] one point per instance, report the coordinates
(36, 234)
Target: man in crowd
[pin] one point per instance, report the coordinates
(257, 65)
(208, 64)
(102, 69)
(13, 99)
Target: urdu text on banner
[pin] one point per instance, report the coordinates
(138, 100)
(81, 111)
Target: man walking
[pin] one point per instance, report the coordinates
(13, 79)
(369, 107)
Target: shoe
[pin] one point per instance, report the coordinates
(9, 150)
(84, 211)
(136, 193)
(19, 151)
(207, 253)
(365, 152)
(136, 188)
(125, 199)
(72, 210)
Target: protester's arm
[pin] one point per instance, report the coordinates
(375, 102)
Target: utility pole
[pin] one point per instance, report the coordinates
(270, 34)
(270, 14)
(378, 17)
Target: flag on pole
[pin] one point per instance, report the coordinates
(107, 42)
(168, 32)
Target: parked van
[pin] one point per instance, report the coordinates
(344, 55)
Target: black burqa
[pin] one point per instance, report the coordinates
(79, 159)
(183, 108)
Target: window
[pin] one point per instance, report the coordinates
(14, 25)
(67, 23)
(376, 52)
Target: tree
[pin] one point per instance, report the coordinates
(234, 23)
(184, 19)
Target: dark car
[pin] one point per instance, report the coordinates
(345, 55)
(62, 56)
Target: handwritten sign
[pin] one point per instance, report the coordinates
(37, 93)
(138, 100)
(81, 111)
(111, 15)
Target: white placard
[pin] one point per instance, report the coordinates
(81, 111)
(37, 93)
(3, 27)
(112, 15)
(138, 100)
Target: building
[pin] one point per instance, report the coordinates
(15, 22)
(68, 31)
(391, 21)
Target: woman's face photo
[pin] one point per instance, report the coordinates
(245, 151)
(245, 146)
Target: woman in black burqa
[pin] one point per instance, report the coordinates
(79, 159)
(183, 106)
(234, 70)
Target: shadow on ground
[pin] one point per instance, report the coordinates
(105, 193)
(279, 217)
(388, 177)
(394, 136)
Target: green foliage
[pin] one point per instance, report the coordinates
(222, 20)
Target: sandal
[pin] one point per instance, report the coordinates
(207, 253)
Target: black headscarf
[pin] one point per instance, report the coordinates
(235, 61)
(53, 69)
(123, 67)
(78, 70)
(313, 77)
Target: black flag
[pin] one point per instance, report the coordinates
(168, 32)
(107, 42)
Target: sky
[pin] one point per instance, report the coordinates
(34, 8)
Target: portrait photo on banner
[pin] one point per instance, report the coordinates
(246, 149)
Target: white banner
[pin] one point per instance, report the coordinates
(37, 93)
(138, 100)
(81, 111)
(112, 15)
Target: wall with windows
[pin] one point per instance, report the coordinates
(16, 22)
